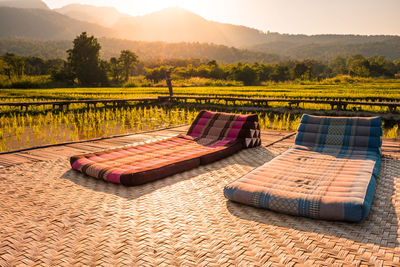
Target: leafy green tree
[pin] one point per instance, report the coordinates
(338, 66)
(317, 70)
(34, 66)
(203, 71)
(185, 72)
(301, 71)
(358, 65)
(127, 59)
(264, 71)
(280, 73)
(15, 65)
(156, 74)
(381, 66)
(214, 71)
(115, 69)
(84, 60)
(397, 65)
(19, 66)
(245, 74)
(65, 74)
(51, 65)
(5, 68)
(104, 69)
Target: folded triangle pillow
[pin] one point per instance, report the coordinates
(212, 136)
(330, 173)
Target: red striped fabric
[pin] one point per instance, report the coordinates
(212, 136)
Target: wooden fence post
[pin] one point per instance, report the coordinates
(169, 84)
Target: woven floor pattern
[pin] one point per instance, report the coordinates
(53, 216)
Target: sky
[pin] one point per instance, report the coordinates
(283, 16)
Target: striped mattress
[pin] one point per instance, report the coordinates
(212, 136)
(330, 173)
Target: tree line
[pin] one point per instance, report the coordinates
(12, 65)
(147, 51)
(360, 66)
(84, 67)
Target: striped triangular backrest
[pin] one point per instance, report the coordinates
(221, 129)
(342, 133)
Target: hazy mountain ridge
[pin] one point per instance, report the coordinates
(44, 25)
(24, 4)
(104, 16)
(177, 25)
(145, 50)
(165, 50)
(327, 47)
(302, 39)
(170, 25)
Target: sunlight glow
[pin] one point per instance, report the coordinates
(284, 16)
(134, 7)
(149, 6)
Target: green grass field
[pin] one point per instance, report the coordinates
(39, 125)
(329, 89)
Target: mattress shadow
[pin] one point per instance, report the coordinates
(141, 190)
(380, 227)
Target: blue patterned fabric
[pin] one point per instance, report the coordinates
(340, 133)
(330, 173)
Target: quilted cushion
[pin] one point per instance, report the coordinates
(329, 174)
(211, 137)
(220, 129)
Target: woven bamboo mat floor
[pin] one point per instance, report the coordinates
(53, 216)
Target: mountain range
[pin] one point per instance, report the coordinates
(24, 4)
(32, 19)
(111, 47)
(44, 24)
(104, 16)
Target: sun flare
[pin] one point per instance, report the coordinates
(149, 6)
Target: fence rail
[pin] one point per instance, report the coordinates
(335, 104)
(89, 102)
(264, 102)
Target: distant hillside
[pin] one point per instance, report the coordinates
(145, 50)
(187, 33)
(169, 25)
(327, 47)
(44, 24)
(105, 16)
(24, 4)
(302, 39)
(163, 50)
(37, 48)
(179, 25)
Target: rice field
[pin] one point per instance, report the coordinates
(24, 130)
(370, 90)
(39, 125)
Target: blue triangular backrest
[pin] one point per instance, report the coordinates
(343, 133)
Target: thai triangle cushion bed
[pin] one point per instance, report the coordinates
(212, 136)
(330, 173)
